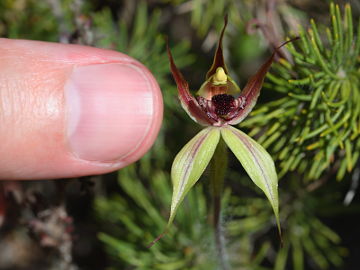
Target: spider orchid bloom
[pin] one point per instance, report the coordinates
(219, 102)
(218, 105)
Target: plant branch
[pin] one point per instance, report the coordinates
(218, 169)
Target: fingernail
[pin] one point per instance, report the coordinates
(109, 111)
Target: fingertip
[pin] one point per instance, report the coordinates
(99, 110)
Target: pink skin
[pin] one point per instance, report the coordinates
(69, 110)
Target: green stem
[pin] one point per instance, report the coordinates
(217, 175)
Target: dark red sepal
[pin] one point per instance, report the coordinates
(219, 57)
(252, 88)
(187, 100)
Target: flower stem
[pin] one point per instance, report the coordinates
(217, 175)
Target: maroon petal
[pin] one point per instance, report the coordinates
(252, 89)
(188, 101)
(219, 57)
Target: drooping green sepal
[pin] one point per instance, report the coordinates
(190, 163)
(257, 163)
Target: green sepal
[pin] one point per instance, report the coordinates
(190, 163)
(257, 163)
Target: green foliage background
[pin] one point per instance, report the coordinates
(308, 117)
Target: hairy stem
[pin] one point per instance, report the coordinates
(218, 169)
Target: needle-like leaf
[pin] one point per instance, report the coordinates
(256, 162)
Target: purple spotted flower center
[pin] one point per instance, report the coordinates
(223, 103)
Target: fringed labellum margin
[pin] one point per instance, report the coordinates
(218, 104)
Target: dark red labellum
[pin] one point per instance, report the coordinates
(223, 104)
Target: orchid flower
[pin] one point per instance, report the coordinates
(218, 105)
